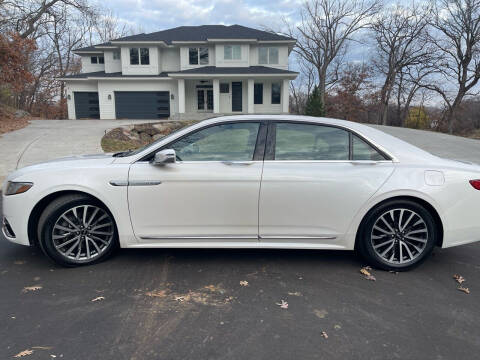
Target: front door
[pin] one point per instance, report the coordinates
(236, 96)
(205, 99)
(209, 194)
(315, 180)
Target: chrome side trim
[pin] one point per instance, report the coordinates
(297, 237)
(118, 182)
(154, 237)
(135, 183)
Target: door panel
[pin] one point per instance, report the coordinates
(142, 104)
(236, 96)
(86, 105)
(211, 192)
(315, 199)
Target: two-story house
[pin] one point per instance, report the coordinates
(186, 72)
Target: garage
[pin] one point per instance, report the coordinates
(142, 104)
(86, 105)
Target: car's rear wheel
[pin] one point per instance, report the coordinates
(397, 235)
(77, 230)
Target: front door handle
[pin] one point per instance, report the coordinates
(237, 163)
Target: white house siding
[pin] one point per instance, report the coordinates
(152, 69)
(87, 65)
(221, 62)
(108, 87)
(282, 56)
(111, 65)
(184, 56)
(267, 107)
(170, 59)
(71, 87)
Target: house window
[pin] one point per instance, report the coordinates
(139, 56)
(224, 88)
(94, 60)
(258, 93)
(232, 52)
(97, 60)
(276, 87)
(268, 55)
(116, 55)
(101, 60)
(144, 56)
(198, 56)
(133, 56)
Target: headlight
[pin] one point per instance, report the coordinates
(14, 188)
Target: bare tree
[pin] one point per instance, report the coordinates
(457, 37)
(324, 30)
(108, 26)
(401, 42)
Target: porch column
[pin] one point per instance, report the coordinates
(216, 96)
(181, 96)
(285, 95)
(250, 93)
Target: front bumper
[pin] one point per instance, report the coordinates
(7, 229)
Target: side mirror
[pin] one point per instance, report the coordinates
(164, 157)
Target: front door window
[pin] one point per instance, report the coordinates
(205, 99)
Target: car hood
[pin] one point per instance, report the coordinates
(68, 162)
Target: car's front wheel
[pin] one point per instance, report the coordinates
(77, 230)
(397, 235)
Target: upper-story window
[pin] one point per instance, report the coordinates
(139, 56)
(232, 52)
(198, 56)
(268, 55)
(97, 60)
(116, 55)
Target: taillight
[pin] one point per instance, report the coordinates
(475, 184)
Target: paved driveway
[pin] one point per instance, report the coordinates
(49, 139)
(189, 304)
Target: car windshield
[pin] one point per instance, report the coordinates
(142, 148)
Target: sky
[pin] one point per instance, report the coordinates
(155, 15)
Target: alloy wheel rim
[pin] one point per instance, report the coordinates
(399, 236)
(83, 232)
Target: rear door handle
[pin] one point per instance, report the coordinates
(237, 163)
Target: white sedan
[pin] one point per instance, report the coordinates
(282, 182)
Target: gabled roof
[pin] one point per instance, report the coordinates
(198, 33)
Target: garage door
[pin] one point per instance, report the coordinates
(142, 104)
(86, 105)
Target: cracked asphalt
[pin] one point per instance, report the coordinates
(189, 304)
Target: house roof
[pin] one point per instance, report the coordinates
(247, 70)
(199, 33)
(198, 72)
(103, 74)
(92, 48)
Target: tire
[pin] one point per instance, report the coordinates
(397, 235)
(62, 226)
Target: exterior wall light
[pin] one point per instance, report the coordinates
(109, 96)
(69, 97)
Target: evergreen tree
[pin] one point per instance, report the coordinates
(314, 106)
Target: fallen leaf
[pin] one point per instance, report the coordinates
(283, 304)
(296, 293)
(371, 278)
(19, 262)
(181, 298)
(365, 271)
(24, 353)
(98, 298)
(32, 288)
(324, 335)
(337, 327)
(464, 289)
(244, 283)
(42, 347)
(320, 313)
(157, 293)
(459, 279)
